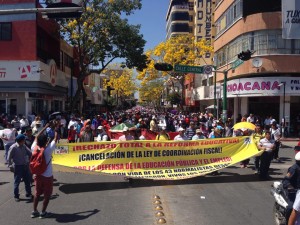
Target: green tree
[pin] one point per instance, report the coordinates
(174, 98)
(101, 35)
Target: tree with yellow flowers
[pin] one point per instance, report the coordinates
(122, 83)
(151, 92)
(182, 49)
(101, 35)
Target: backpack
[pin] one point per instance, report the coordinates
(37, 162)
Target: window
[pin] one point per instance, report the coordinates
(5, 31)
(263, 42)
(232, 14)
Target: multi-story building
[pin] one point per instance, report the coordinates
(35, 65)
(193, 17)
(268, 83)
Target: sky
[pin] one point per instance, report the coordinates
(152, 18)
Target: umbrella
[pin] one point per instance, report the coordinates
(120, 127)
(53, 115)
(245, 125)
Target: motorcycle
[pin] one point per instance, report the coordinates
(283, 206)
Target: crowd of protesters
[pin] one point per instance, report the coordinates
(187, 126)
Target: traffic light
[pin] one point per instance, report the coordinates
(109, 89)
(64, 4)
(245, 55)
(163, 66)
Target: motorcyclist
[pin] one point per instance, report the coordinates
(291, 182)
(292, 178)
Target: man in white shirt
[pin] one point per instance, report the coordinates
(250, 118)
(8, 137)
(24, 124)
(126, 135)
(267, 145)
(181, 136)
(102, 135)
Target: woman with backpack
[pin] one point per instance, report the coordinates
(42, 148)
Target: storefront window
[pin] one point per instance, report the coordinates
(262, 42)
(12, 107)
(2, 106)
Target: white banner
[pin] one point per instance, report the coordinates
(290, 19)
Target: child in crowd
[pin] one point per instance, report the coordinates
(72, 134)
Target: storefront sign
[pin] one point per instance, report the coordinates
(263, 86)
(32, 71)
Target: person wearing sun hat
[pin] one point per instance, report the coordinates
(181, 136)
(102, 135)
(198, 135)
(18, 161)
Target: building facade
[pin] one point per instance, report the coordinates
(268, 83)
(193, 17)
(35, 64)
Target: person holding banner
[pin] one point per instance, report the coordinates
(102, 135)
(267, 145)
(163, 135)
(258, 135)
(126, 135)
(199, 135)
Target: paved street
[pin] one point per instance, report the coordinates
(234, 197)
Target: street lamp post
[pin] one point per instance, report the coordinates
(283, 108)
(224, 102)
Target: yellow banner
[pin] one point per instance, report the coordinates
(159, 160)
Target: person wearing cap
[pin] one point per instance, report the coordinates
(163, 135)
(126, 135)
(199, 135)
(181, 136)
(29, 138)
(18, 160)
(102, 135)
(215, 133)
(292, 178)
(267, 145)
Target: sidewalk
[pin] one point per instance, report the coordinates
(296, 139)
